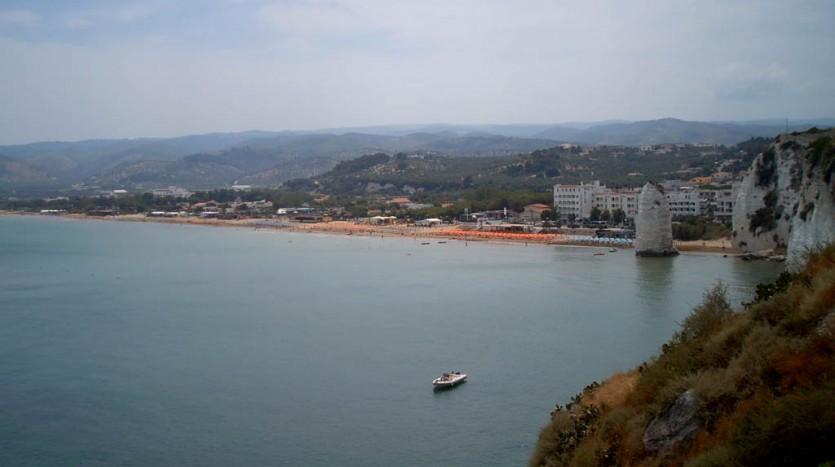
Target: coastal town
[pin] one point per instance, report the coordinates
(589, 214)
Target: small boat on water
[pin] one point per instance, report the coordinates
(448, 380)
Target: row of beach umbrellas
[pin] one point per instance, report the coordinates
(600, 240)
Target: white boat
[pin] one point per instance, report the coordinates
(448, 380)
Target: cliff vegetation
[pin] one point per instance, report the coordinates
(754, 386)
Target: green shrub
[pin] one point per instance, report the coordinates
(822, 153)
(766, 168)
(797, 429)
(719, 456)
(707, 316)
(764, 291)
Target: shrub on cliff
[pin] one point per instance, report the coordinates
(761, 382)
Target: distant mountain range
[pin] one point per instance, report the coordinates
(267, 158)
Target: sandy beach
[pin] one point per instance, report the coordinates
(441, 233)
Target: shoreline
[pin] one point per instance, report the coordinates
(443, 233)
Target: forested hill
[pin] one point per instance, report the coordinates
(536, 171)
(267, 158)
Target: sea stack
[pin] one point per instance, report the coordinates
(654, 226)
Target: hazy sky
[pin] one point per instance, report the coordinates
(72, 70)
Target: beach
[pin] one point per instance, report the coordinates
(438, 233)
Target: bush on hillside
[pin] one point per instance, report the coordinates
(763, 380)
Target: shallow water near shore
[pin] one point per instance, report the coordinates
(160, 344)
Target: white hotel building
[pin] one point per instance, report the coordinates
(684, 200)
(576, 199)
(580, 199)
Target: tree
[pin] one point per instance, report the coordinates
(618, 216)
(595, 214)
(606, 216)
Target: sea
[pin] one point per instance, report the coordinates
(160, 344)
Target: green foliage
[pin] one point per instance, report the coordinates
(749, 150)
(491, 198)
(568, 429)
(766, 168)
(360, 163)
(707, 316)
(618, 216)
(688, 228)
(797, 429)
(822, 153)
(544, 163)
(766, 290)
(765, 219)
(763, 380)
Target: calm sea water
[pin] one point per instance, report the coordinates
(154, 344)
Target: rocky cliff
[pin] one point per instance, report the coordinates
(787, 198)
(653, 225)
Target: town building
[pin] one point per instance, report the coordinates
(612, 200)
(577, 201)
(173, 191)
(723, 202)
(533, 212)
(683, 200)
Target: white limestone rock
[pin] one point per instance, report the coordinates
(785, 200)
(653, 225)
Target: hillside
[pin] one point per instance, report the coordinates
(748, 387)
(268, 158)
(15, 170)
(538, 170)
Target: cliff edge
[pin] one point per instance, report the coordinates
(787, 197)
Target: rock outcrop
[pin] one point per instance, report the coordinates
(787, 198)
(653, 225)
(676, 425)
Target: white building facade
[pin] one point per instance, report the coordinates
(576, 200)
(579, 200)
(683, 200)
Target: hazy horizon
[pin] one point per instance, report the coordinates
(421, 127)
(81, 70)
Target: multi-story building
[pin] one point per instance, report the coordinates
(684, 200)
(575, 200)
(612, 200)
(579, 200)
(174, 191)
(723, 203)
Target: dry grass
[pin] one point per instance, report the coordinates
(614, 391)
(764, 381)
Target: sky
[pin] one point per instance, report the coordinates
(72, 70)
